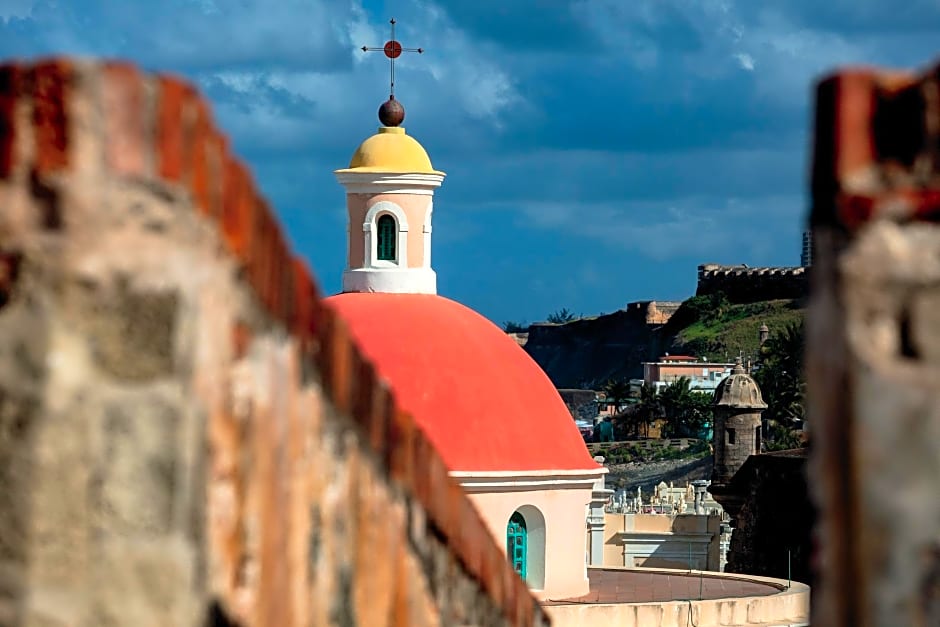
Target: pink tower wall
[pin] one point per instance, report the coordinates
(415, 207)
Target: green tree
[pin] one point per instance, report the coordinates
(515, 327)
(783, 385)
(648, 408)
(698, 415)
(561, 316)
(687, 411)
(674, 399)
(617, 391)
(781, 438)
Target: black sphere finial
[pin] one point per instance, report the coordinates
(391, 113)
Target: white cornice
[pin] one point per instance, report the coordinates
(593, 472)
(640, 537)
(515, 481)
(389, 182)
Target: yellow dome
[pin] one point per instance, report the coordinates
(391, 150)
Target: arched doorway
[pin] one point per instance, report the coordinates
(525, 545)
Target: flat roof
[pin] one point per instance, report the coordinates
(639, 586)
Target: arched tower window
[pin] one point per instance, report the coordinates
(517, 540)
(387, 236)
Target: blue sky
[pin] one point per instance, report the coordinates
(597, 151)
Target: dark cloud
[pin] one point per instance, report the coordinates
(541, 25)
(189, 36)
(852, 17)
(596, 150)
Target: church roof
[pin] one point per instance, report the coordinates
(391, 150)
(481, 400)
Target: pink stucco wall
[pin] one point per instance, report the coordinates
(415, 207)
(668, 372)
(565, 514)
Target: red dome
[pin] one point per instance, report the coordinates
(480, 398)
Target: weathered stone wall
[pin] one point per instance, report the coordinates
(873, 362)
(187, 434)
(586, 353)
(741, 284)
(729, 457)
(657, 312)
(773, 525)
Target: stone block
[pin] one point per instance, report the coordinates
(130, 331)
(137, 471)
(144, 582)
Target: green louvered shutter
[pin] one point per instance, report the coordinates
(387, 237)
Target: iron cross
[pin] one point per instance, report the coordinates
(392, 50)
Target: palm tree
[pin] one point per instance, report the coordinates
(617, 391)
(648, 409)
(687, 411)
(781, 375)
(675, 400)
(783, 385)
(561, 316)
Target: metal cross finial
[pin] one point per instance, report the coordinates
(392, 50)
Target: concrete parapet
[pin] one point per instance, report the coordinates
(786, 606)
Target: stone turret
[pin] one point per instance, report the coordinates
(738, 408)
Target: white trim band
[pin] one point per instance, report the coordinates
(393, 280)
(389, 182)
(508, 481)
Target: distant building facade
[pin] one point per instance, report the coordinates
(806, 255)
(663, 541)
(703, 376)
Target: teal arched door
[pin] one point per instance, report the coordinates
(517, 543)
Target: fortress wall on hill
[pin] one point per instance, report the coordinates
(189, 435)
(748, 285)
(586, 353)
(653, 311)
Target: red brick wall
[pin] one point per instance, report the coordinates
(189, 431)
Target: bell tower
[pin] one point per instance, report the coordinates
(390, 185)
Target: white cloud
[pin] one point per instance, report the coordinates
(453, 78)
(481, 84)
(745, 60)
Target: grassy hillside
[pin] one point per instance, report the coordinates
(586, 353)
(711, 327)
